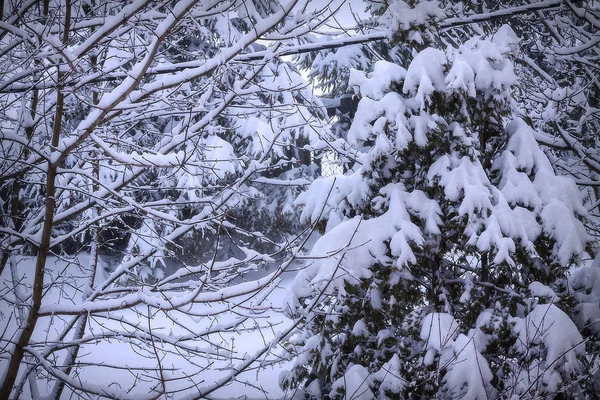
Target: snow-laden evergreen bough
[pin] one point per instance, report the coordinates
(450, 262)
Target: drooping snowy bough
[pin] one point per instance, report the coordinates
(449, 263)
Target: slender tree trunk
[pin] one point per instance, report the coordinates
(596, 190)
(44, 249)
(38, 286)
(435, 265)
(484, 276)
(81, 324)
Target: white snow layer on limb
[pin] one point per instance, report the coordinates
(205, 162)
(220, 158)
(528, 179)
(478, 65)
(529, 199)
(465, 181)
(335, 62)
(461, 77)
(389, 377)
(507, 40)
(540, 290)
(493, 72)
(142, 240)
(328, 270)
(425, 75)
(587, 278)
(406, 17)
(469, 374)
(529, 158)
(401, 206)
(569, 232)
(371, 116)
(260, 136)
(586, 282)
(346, 252)
(400, 18)
(377, 83)
(354, 384)
(549, 326)
(327, 198)
(438, 330)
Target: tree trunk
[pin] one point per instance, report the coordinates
(38, 286)
(42, 256)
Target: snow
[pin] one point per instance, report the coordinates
(314, 389)
(389, 377)
(492, 237)
(328, 194)
(438, 330)
(562, 344)
(516, 187)
(401, 17)
(346, 241)
(587, 277)
(350, 56)
(540, 290)
(105, 342)
(469, 373)
(461, 77)
(528, 201)
(466, 296)
(549, 326)
(375, 297)
(389, 106)
(425, 74)
(356, 384)
(465, 180)
(345, 253)
(377, 83)
(506, 39)
(588, 315)
(360, 329)
(586, 280)
(505, 211)
(569, 233)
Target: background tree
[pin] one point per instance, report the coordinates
(145, 170)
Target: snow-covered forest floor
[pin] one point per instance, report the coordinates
(122, 364)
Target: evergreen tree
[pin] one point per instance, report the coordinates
(443, 269)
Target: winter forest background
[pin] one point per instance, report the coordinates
(299, 199)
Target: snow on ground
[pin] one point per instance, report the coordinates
(71, 281)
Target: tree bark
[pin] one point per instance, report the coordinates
(38, 286)
(42, 256)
